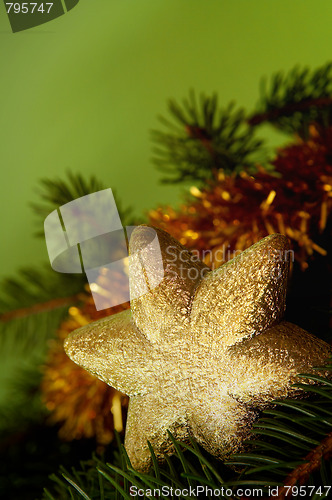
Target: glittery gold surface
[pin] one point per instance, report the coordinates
(202, 352)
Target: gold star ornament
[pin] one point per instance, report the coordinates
(202, 352)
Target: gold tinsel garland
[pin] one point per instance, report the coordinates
(220, 220)
(82, 405)
(232, 213)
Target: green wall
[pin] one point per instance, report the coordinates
(83, 91)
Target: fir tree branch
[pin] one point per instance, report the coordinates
(24, 345)
(288, 110)
(203, 139)
(36, 289)
(57, 192)
(313, 461)
(267, 464)
(41, 307)
(296, 100)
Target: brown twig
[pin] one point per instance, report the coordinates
(312, 462)
(42, 307)
(289, 109)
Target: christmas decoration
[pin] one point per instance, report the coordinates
(232, 213)
(220, 220)
(202, 352)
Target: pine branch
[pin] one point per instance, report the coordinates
(296, 100)
(294, 438)
(312, 462)
(189, 467)
(57, 192)
(35, 290)
(202, 140)
(296, 444)
(24, 345)
(289, 109)
(49, 305)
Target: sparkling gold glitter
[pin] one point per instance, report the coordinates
(202, 352)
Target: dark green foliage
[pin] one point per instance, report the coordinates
(31, 307)
(57, 192)
(203, 139)
(37, 285)
(30, 455)
(287, 433)
(293, 101)
(189, 467)
(23, 347)
(25, 458)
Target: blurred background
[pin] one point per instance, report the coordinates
(82, 92)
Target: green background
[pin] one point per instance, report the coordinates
(83, 91)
